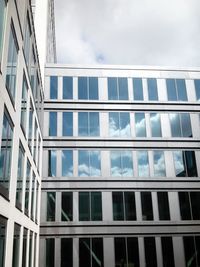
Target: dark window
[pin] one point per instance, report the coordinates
(88, 88)
(190, 251)
(147, 209)
(66, 252)
(197, 89)
(184, 202)
(2, 24)
(180, 125)
(67, 88)
(51, 206)
(137, 89)
(167, 251)
(52, 123)
(52, 154)
(117, 89)
(27, 42)
(24, 248)
(27, 192)
(150, 252)
(3, 224)
(30, 249)
(50, 252)
(33, 195)
(30, 127)
(16, 244)
(90, 206)
(67, 206)
(176, 90)
(53, 87)
(20, 177)
(185, 164)
(88, 124)
(163, 206)
(195, 204)
(36, 201)
(67, 163)
(24, 105)
(152, 89)
(67, 124)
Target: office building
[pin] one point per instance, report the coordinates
(121, 166)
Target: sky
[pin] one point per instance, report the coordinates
(133, 32)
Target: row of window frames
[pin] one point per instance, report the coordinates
(124, 206)
(28, 248)
(145, 124)
(118, 88)
(122, 163)
(127, 251)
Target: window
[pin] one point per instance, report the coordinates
(67, 88)
(176, 90)
(66, 252)
(197, 89)
(67, 124)
(50, 252)
(6, 154)
(191, 249)
(16, 244)
(33, 195)
(147, 209)
(67, 163)
(27, 193)
(20, 177)
(140, 125)
(167, 251)
(51, 205)
(119, 124)
(88, 124)
(2, 18)
(24, 105)
(143, 163)
(67, 206)
(150, 252)
(33, 72)
(155, 125)
(36, 201)
(137, 89)
(53, 87)
(11, 69)
(185, 164)
(52, 123)
(91, 252)
(117, 89)
(163, 206)
(24, 248)
(90, 206)
(121, 163)
(30, 249)
(35, 141)
(126, 251)
(3, 224)
(152, 89)
(124, 206)
(30, 131)
(52, 163)
(180, 125)
(189, 205)
(89, 163)
(27, 42)
(88, 88)
(159, 163)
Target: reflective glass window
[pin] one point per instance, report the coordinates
(121, 163)
(180, 125)
(152, 89)
(67, 88)
(50, 252)
(185, 164)
(155, 125)
(24, 105)
(51, 205)
(67, 129)
(89, 163)
(33, 72)
(176, 90)
(20, 177)
(137, 89)
(143, 163)
(11, 68)
(167, 251)
(88, 124)
(112, 89)
(197, 89)
(27, 192)
(33, 195)
(16, 244)
(93, 88)
(67, 163)
(163, 206)
(117, 89)
(119, 124)
(147, 208)
(53, 87)
(30, 126)
(3, 224)
(82, 88)
(67, 206)
(2, 19)
(52, 154)
(88, 88)
(66, 252)
(159, 163)
(52, 123)
(181, 90)
(150, 252)
(140, 125)
(123, 88)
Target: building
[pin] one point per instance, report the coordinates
(121, 166)
(21, 108)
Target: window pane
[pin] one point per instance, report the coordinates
(24, 105)
(123, 88)
(67, 163)
(84, 252)
(112, 89)
(140, 125)
(147, 209)
(181, 90)
(159, 163)
(27, 42)
(171, 90)
(83, 163)
(30, 249)
(93, 88)
(137, 89)
(52, 123)
(114, 126)
(53, 87)
(20, 177)
(83, 124)
(115, 163)
(67, 88)
(184, 202)
(84, 206)
(30, 131)
(67, 124)
(16, 244)
(197, 243)
(189, 249)
(163, 206)
(150, 252)
(180, 168)
(52, 163)
(93, 123)
(97, 252)
(143, 164)
(126, 164)
(50, 252)
(67, 206)
(24, 248)
(186, 125)
(33, 195)
(167, 251)
(133, 252)
(118, 206)
(197, 89)
(82, 88)
(66, 252)
(96, 206)
(51, 205)
(155, 125)
(27, 193)
(195, 204)
(2, 17)
(152, 89)
(191, 163)
(95, 163)
(124, 124)
(130, 209)
(120, 252)
(175, 125)
(3, 224)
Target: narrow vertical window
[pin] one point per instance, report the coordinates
(167, 251)
(112, 89)
(143, 163)
(50, 252)
(33, 195)
(150, 252)
(27, 192)
(27, 42)
(137, 89)
(51, 206)
(152, 89)
(20, 177)
(30, 126)
(36, 201)
(197, 89)
(30, 249)
(16, 244)
(93, 88)
(67, 206)
(184, 202)
(3, 225)
(163, 206)
(2, 23)
(52, 123)
(67, 163)
(118, 206)
(82, 88)
(67, 124)
(67, 88)
(147, 208)
(155, 125)
(185, 164)
(140, 125)
(52, 154)
(53, 87)
(24, 105)
(159, 163)
(195, 205)
(66, 252)
(190, 251)
(24, 248)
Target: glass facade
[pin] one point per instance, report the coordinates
(185, 164)
(24, 105)
(50, 252)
